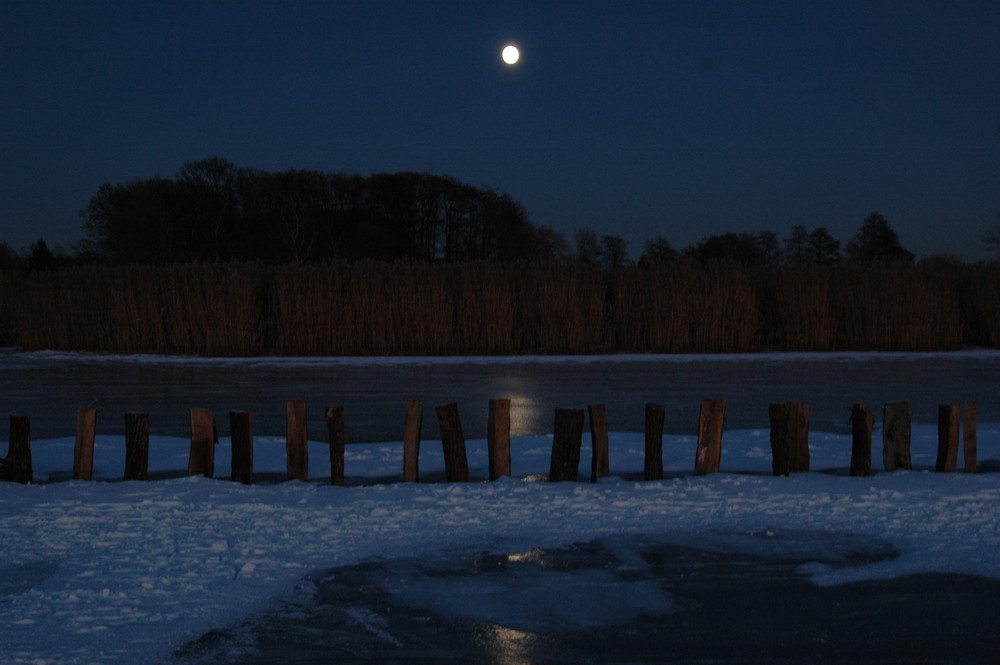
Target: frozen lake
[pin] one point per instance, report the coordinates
(617, 602)
(50, 386)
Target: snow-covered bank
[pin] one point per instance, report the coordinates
(126, 572)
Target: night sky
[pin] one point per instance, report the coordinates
(679, 119)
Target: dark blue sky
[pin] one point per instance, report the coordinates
(679, 119)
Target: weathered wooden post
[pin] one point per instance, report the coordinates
(600, 465)
(789, 437)
(711, 418)
(201, 459)
(83, 448)
(969, 437)
(566, 443)
(896, 436)
(296, 440)
(862, 423)
(241, 436)
(498, 438)
(16, 466)
(334, 418)
(949, 418)
(456, 464)
(413, 419)
(136, 446)
(653, 467)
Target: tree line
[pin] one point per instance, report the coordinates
(214, 210)
(875, 242)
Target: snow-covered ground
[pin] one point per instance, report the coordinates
(115, 572)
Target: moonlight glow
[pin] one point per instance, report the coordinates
(510, 54)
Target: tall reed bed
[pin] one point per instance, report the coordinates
(192, 309)
(373, 308)
(895, 308)
(980, 298)
(681, 308)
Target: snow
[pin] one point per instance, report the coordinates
(127, 572)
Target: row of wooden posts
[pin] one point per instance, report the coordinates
(789, 441)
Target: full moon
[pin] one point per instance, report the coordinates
(510, 54)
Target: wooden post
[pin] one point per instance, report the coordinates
(653, 468)
(498, 438)
(896, 436)
(949, 418)
(201, 459)
(862, 423)
(600, 465)
(296, 440)
(334, 418)
(711, 418)
(16, 466)
(789, 437)
(566, 442)
(83, 449)
(456, 464)
(136, 446)
(413, 420)
(969, 436)
(241, 436)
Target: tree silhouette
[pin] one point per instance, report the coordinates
(742, 248)
(877, 242)
(214, 210)
(823, 248)
(41, 257)
(656, 252)
(797, 245)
